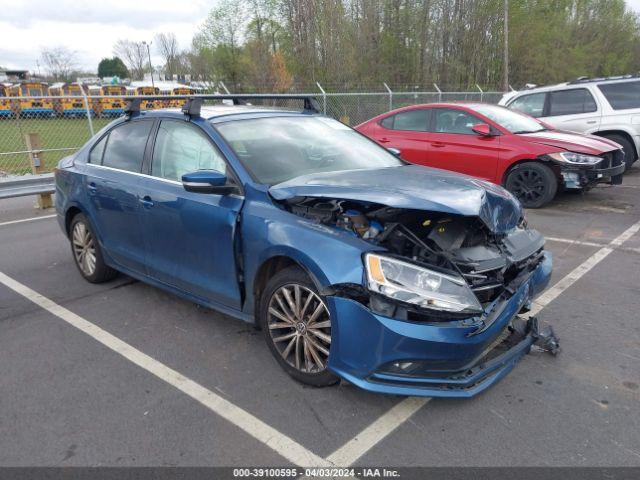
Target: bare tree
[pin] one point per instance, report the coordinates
(60, 62)
(134, 55)
(167, 46)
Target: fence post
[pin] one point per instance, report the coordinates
(87, 109)
(34, 145)
(390, 95)
(324, 98)
(439, 92)
(481, 92)
(225, 87)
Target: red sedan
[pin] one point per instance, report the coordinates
(528, 157)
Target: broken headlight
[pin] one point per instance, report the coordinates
(419, 286)
(573, 158)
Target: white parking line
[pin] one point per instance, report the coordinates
(377, 431)
(572, 277)
(574, 242)
(277, 441)
(590, 244)
(355, 448)
(27, 220)
(288, 448)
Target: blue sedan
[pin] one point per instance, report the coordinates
(398, 278)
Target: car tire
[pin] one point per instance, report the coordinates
(629, 156)
(289, 306)
(87, 253)
(533, 183)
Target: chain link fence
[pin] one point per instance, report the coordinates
(62, 125)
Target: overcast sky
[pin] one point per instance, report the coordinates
(91, 28)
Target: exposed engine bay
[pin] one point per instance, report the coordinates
(491, 264)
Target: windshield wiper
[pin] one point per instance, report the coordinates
(529, 131)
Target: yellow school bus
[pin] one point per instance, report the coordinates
(110, 107)
(179, 102)
(5, 103)
(33, 106)
(147, 104)
(70, 102)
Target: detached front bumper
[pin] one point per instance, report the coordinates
(392, 356)
(609, 170)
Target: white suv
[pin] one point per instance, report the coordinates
(608, 107)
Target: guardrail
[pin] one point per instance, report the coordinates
(23, 185)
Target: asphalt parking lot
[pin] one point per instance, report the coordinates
(127, 375)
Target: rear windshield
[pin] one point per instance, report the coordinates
(623, 95)
(277, 149)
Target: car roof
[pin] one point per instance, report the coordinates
(462, 103)
(580, 83)
(211, 112)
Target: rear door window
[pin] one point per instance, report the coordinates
(95, 156)
(126, 145)
(623, 95)
(412, 120)
(571, 102)
(532, 104)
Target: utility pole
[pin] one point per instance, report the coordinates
(505, 60)
(150, 66)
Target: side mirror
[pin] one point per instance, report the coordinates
(482, 129)
(394, 151)
(206, 181)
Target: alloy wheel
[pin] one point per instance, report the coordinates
(300, 328)
(84, 248)
(528, 185)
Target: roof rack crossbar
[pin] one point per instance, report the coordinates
(194, 102)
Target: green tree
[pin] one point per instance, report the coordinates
(414, 43)
(111, 67)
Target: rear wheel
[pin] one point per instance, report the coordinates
(296, 324)
(87, 253)
(627, 147)
(533, 183)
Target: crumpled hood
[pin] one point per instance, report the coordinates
(412, 187)
(574, 142)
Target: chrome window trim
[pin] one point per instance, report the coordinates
(144, 175)
(139, 174)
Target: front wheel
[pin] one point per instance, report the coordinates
(296, 324)
(533, 183)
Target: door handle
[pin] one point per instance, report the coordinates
(146, 201)
(92, 188)
(384, 140)
(438, 145)
(591, 122)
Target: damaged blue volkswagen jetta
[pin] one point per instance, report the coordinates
(399, 278)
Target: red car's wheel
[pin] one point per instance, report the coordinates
(533, 183)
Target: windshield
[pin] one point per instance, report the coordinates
(513, 121)
(277, 149)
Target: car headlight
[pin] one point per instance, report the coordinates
(573, 158)
(419, 286)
